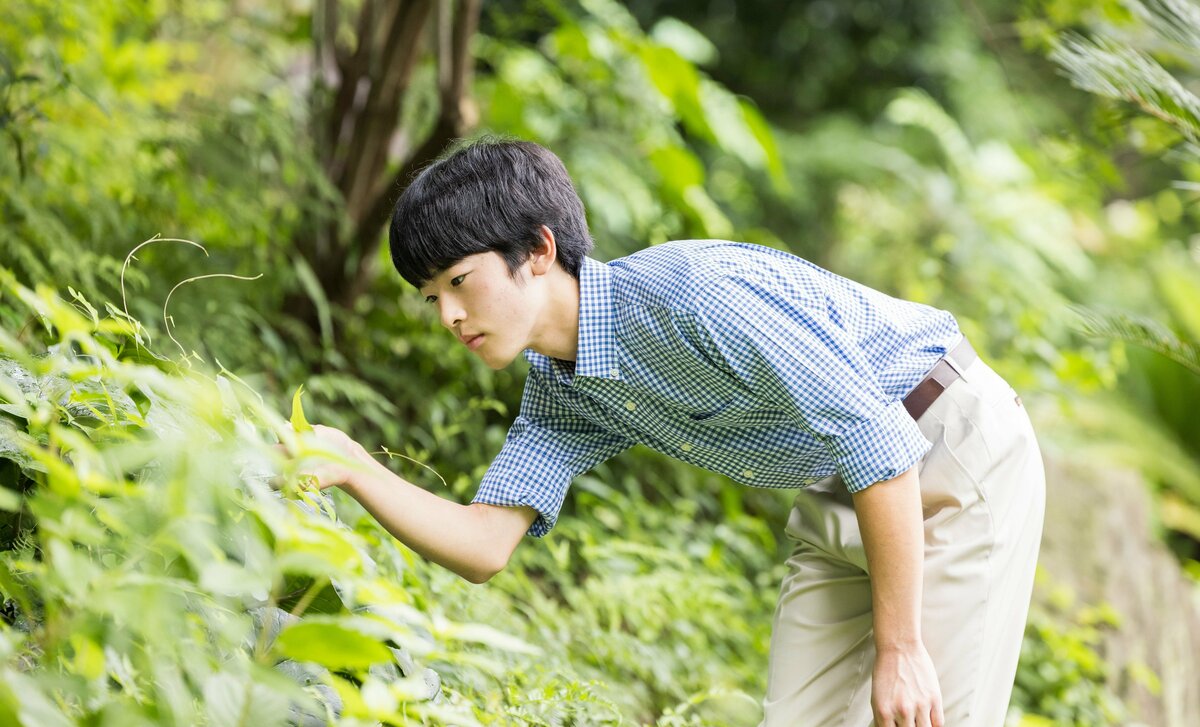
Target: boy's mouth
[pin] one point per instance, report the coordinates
(473, 342)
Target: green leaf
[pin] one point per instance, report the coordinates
(678, 167)
(684, 40)
(331, 644)
(299, 423)
(727, 118)
(707, 212)
(232, 579)
(679, 82)
(766, 138)
(308, 281)
(9, 706)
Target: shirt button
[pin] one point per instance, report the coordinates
(614, 373)
(630, 405)
(747, 473)
(686, 446)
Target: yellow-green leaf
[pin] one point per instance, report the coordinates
(299, 423)
(331, 644)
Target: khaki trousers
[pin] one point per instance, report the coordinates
(983, 492)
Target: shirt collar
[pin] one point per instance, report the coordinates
(596, 352)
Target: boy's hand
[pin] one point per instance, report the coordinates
(905, 690)
(335, 457)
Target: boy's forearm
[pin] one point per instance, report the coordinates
(471, 540)
(890, 520)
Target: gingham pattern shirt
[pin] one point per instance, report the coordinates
(740, 359)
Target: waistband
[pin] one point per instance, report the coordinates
(946, 371)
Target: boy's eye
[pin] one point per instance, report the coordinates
(455, 281)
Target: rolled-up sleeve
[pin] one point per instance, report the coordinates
(789, 352)
(548, 446)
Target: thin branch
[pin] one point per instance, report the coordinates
(167, 318)
(130, 257)
(390, 454)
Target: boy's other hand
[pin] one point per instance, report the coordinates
(905, 691)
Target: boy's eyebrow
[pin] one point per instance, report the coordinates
(433, 279)
(444, 272)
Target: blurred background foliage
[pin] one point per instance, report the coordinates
(1031, 167)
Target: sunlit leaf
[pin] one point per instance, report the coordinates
(331, 644)
(299, 423)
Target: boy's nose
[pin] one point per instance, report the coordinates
(451, 314)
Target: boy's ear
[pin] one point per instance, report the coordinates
(543, 256)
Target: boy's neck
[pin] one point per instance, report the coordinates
(557, 332)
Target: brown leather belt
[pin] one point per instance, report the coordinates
(939, 379)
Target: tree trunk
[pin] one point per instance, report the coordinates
(366, 155)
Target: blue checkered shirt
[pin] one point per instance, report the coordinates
(740, 359)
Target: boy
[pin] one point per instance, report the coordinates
(917, 525)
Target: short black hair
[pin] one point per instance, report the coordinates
(492, 194)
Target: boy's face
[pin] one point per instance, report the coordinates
(486, 308)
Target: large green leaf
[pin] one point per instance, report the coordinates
(679, 82)
(332, 643)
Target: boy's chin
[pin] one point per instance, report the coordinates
(496, 363)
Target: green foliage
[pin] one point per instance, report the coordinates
(1062, 678)
(1146, 58)
(595, 83)
(127, 120)
(975, 228)
(1121, 64)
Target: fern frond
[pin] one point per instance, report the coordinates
(1177, 22)
(1108, 68)
(1140, 331)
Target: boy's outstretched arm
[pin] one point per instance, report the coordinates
(475, 541)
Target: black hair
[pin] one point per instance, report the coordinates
(488, 195)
